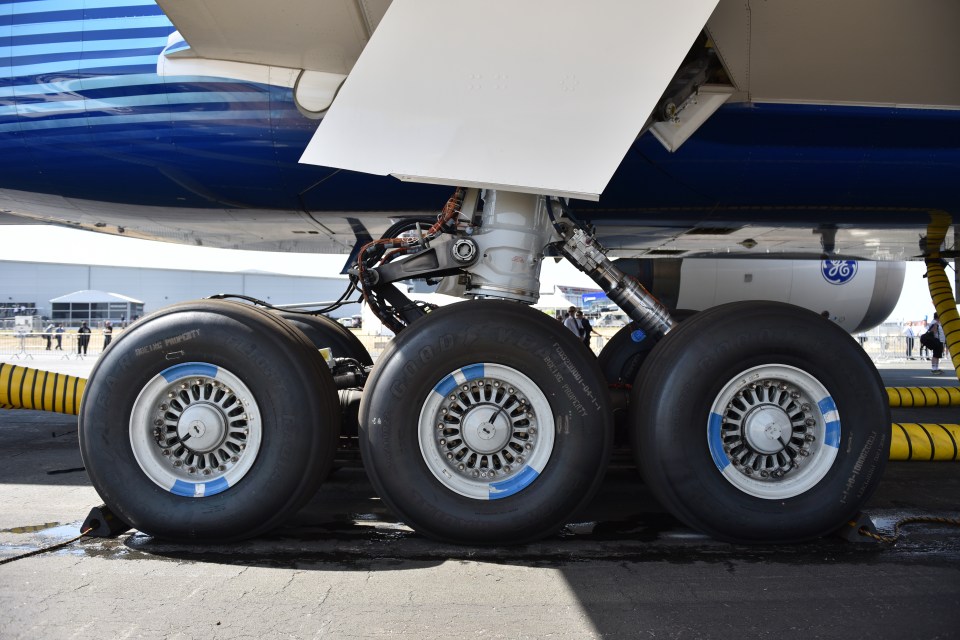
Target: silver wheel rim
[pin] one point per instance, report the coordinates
(486, 431)
(774, 431)
(195, 429)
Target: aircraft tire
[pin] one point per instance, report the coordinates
(623, 355)
(208, 420)
(548, 459)
(324, 332)
(694, 412)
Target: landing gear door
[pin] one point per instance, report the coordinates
(543, 96)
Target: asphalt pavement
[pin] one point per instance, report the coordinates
(344, 567)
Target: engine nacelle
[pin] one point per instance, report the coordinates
(858, 295)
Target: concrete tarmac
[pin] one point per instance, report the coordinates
(345, 568)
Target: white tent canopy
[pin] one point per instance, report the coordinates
(93, 296)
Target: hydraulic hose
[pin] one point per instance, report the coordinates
(941, 293)
(923, 396)
(915, 441)
(26, 388)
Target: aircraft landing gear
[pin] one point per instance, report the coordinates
(760, 422)
(488, 424)
(208, 421)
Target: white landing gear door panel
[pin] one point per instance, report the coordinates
(540, 96)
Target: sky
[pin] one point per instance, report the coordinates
(45, 243)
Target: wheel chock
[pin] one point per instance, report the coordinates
(103, 523)
(851, 530)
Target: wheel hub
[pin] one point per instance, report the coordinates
(195, 429)
(203, 425)
(774, 431)
(767, 429)
(486, 428)
(486, 432)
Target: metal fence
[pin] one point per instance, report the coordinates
(16, 345)
(890, 348)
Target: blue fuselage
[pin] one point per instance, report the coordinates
(83, 114)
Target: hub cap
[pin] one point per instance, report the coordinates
(195, 429)
(486, 431)
(774, 431)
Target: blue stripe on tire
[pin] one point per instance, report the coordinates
(716, 442)
(187, 369)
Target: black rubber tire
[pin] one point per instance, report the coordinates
(685, 373)
(294, 392)
(327, 333)
(623, 355)
(453, 337)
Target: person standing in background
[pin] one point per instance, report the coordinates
(909, 335)
(585, 328)
(936, 345)
(83, 339)
(570, 322)
(107, 334)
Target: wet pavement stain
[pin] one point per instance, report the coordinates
(31, 528)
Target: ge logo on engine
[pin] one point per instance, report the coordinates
(838, 271)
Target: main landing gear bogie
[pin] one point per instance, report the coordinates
(486, 423)
(760, 422)
(210, 421)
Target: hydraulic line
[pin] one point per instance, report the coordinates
(26, 388)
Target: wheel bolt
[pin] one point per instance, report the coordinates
(528, 446)
(163, 407)
(177, 463)
(183, 385)
(158, 422)
(809, 437)
(748, 471)
(461, 467)
(221, 468)
(476, 474)
(794, 394)
(764, 474)
(171, 394)
(443, 441)
(804, 452)
(804, 407)
(809, 422)
(449, 456)
(206, 472)
(511, 390)
(166, 452)
(234, 458)
(532, 430)
(191, 469)
(443, 411)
